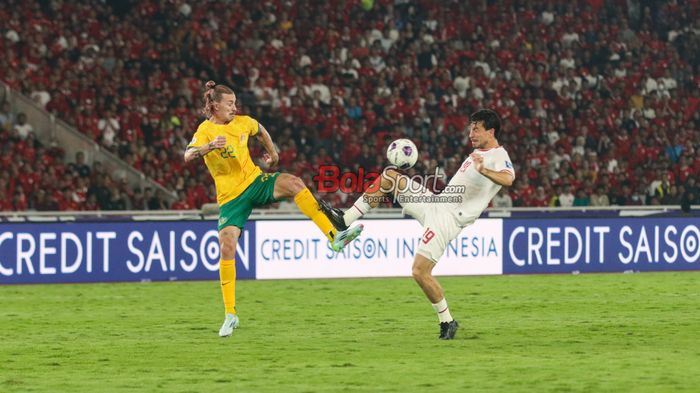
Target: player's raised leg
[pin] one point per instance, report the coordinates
(387, 184)
(423, 274)
(287, 186)
(228, 240)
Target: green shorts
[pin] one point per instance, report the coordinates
(259, 193)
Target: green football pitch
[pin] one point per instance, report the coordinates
(550, 333)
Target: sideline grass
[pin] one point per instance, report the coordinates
(556, 333)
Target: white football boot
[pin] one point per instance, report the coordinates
(231, 322)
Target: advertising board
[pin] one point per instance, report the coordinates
(297, 249)
(118, 251)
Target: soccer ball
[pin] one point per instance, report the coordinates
(403, 153)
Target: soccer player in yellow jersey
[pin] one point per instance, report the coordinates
(222, 140)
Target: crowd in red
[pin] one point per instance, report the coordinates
(600, 100)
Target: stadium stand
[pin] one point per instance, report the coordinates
(600, 100)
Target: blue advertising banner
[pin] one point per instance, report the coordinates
(121, 251)
(189, 250)
(600, 245)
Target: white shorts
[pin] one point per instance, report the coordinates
(440, 226)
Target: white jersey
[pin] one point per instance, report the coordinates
(443, 221)
(478, 189)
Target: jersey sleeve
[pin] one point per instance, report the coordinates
(200, 138)
(503, 163)
(254, 126)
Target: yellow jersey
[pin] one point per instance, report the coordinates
(231, 167)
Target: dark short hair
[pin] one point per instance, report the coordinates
(490, 119)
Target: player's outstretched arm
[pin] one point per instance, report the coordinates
(503, 178)
(194, 153)
(264, 137)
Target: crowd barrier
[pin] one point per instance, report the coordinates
(187, 249)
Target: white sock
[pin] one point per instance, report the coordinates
(443, 312)
(357, 210)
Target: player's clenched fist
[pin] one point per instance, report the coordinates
(478, 161)
(218, 142)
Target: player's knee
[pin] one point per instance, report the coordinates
(419, 274)
(228, 248)
(296, 185)
(391, 172)
(422, 268)
(288, 186)
(387, 181)
(416, 273)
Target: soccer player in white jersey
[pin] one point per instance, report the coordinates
(480, 178)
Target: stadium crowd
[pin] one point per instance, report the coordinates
(600, 100)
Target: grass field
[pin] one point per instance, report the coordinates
(564, 333)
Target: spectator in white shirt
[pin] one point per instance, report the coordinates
(566, 198)
(109, 127)
(22, 127)
(502, 199)
(40, 95)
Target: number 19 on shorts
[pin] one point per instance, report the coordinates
(428, 235)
